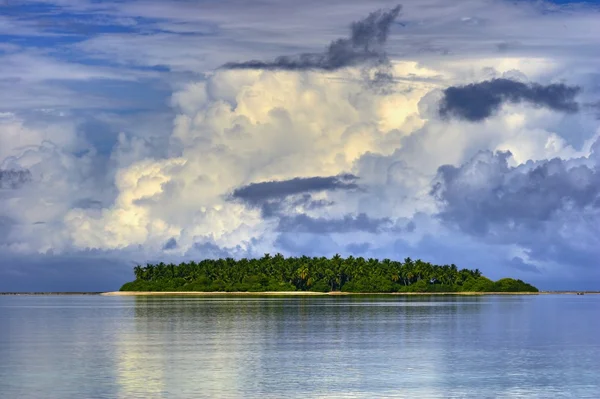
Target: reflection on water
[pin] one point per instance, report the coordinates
(236, 347)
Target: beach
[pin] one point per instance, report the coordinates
(334, 293)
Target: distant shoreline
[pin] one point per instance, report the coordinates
(335, 293)
(285, 293)
(51, 293)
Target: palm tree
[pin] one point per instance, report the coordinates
(138, 272)
(301, 273)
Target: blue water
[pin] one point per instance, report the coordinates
(319, 347)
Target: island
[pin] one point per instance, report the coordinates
(316, 275)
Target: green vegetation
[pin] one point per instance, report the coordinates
(276, 273)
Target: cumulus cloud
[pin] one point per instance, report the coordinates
(478, 101)
(278, 141)
(486, 191)
(365, 44)
(549, 209)
(258, 157)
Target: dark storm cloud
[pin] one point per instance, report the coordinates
(259, 193)
(13, 179)
(477, 101)
(365, 44)
(486, 192)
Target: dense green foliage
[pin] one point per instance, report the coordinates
(316, 274)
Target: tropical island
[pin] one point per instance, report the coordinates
(316, 274)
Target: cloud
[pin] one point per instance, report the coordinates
(486, 191)
(297, 136)
(478, 101)
(282, 201)
(258, 193)
(358, 248)
(171, 244)
(306, 224)
(36, 67)
(519, 264)
(550, 209)
(293, 134)
(14, 179)
(80, 272)
(210, 250)
(365, 44)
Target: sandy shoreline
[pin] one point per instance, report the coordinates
(308, 293)
(286, 293)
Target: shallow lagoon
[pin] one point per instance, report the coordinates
(544, 346)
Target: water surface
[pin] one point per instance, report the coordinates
(305, 347)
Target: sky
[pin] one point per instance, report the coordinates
(463, 132)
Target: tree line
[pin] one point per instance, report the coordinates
(321, 274)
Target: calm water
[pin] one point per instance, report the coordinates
(430, 347)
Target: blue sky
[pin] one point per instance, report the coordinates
(141, 131)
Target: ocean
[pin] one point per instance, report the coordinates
(538, 346)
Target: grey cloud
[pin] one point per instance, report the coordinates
(358, 249)
(311, 204)
(14, 179)
(485, 191)
(549, 209)
(210, 250)
(305, 201)
(505, 46)
(579, 253)
(303, 223)
(306, 244)
(171, 244)
(259, 193)
(86, 271)
(275, 198)
(6, 221)
(6, 224)
(520, 264)
(594, 107)
(365, 44)
(478, 101)
(87, 203)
